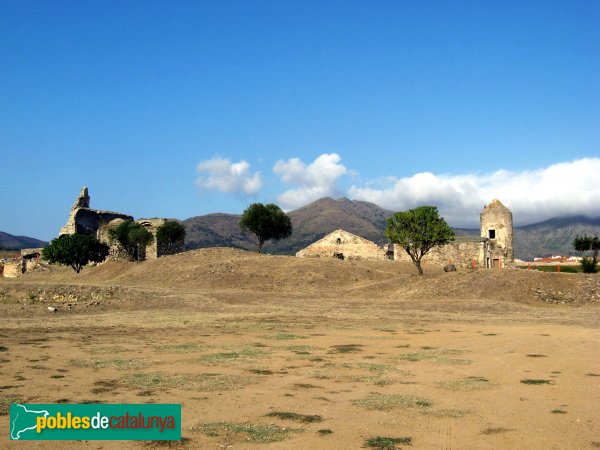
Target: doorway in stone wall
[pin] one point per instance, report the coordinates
(496, 263)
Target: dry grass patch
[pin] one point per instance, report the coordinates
(261, 371)
(466, 384)
(283, 336)
(284, 415)
(206, 382)
(245, 432)
(345, 348)
(388, 402)
(447, 412)
(107, 350)
(171, 444)
(105, 386)
(5, 404)
(180, 348)
(244, 355)
(437, 356)
(496, 430)
(536, 381)
(110, 363)
(387, 443)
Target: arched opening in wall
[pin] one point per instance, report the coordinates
(338, 241)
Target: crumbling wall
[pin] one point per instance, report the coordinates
(343, 245)
(461, 253)
(83, 220)
(152, 251)
(13, 268)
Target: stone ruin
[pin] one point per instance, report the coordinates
(84, 220)
(29, 259)
(343, 245)
(493, 248)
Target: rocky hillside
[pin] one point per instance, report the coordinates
(313, 221)
(10, 242)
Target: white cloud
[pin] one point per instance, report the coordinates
(566, 188)
(318, 179)
(220, 174)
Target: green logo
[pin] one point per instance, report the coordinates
(95, 422)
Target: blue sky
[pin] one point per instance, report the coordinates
(177, 109)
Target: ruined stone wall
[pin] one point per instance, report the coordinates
(13, 268)
(152, 250)
(31, 251)
(460, 253)
(30, 264)
(341, 242)
(83, 220)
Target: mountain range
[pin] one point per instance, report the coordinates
(10, 242)
(368, 220)
(312, 222)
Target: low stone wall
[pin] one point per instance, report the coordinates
(31, 251)
(13, 269)
(459, 253)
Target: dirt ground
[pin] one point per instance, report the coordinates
(274, 352)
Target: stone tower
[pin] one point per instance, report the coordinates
(497, 227)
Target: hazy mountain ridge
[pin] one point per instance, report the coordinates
(368, 220)
(553, 236)
(10, 242)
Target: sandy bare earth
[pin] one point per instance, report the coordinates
(268, 352)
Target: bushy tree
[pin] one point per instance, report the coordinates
(588, 244)
(417, 231)
(132, 236)
(75, 250)
(170, 234)
(267, 222)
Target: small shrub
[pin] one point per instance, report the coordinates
(588, 265)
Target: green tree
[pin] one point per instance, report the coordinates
(584, 244)
(75, 250)
(417, 231)
(266, 222)
(170, 234)
(132, 236)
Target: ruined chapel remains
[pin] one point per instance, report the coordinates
(493, 248)
(84, 220)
